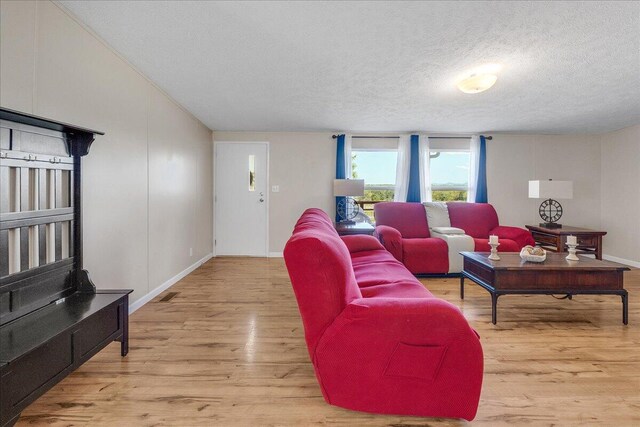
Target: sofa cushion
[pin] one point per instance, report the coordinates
(380, 273)
(456, 243)
(506, 245)
(410, 289)
(437, 214)
(425, 256)
(476, 219)
(408, 218)
(378, 268)
(361, 243)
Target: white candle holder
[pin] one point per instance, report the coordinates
(572, 253)
(494, 252)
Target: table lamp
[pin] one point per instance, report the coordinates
(550, 210)
(347, 207)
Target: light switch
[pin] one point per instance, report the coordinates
(275, 188)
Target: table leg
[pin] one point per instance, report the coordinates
(494, 307)
(625, 308)
(124, 344)
(461, 287)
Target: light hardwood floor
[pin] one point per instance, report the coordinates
(228, 349)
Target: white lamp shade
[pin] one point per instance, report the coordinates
(550, 189)
(348, 187)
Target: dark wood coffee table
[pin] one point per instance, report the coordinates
(555, 276)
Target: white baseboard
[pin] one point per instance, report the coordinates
(275, 255)
(621, 261)
(166, 285)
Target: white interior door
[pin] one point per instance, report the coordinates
(241, 198)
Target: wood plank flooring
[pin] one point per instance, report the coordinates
(228, 349)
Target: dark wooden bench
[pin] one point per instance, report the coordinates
(52, 318)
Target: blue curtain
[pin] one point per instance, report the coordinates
(341, 168)
(481, 191)
(413, 194)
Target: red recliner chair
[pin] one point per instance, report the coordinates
(379, 341)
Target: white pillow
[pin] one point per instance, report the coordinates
(437, 214)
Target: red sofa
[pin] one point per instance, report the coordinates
(403, 230)
(379, 341)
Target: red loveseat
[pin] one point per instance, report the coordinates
(379, 341)
(403, 230)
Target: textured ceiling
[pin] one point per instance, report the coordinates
(568, 67)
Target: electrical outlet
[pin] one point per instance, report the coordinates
(275, 188)
(190, 251)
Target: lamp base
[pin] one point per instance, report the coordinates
(550, 225)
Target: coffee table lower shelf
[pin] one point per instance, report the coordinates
(495, 293)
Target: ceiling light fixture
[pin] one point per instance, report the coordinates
(479, 79)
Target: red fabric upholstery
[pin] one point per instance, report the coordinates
(378, 339)
(323, 268)
(476, 219)
(361, 243)
(391, 239)
(520, 236)
(506, 245)
(429, 255)
(425, 256)
(403, 230)
(409, 356)
(410, 219)
(397, 290)
(380, 272)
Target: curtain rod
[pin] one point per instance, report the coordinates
(396, 137)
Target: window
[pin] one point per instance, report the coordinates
(449, 171)
(378, 169)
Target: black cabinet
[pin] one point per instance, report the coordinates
(52, 318)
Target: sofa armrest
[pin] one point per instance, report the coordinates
(361, 243)
(519, 235)
(391, 239)
(406, 349)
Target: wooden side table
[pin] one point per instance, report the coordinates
(555, 239)
(357, 228)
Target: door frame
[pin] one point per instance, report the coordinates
(267, 190)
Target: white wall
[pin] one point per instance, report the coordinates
(620, 188)
(513, 160)
(303, 165)
(147, 194)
